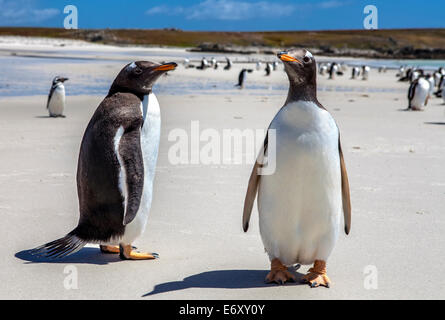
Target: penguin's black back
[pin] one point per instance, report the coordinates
(101, 202)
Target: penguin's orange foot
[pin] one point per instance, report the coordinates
(109, 249)
(317, 275)
(279, 273)
(126, 252)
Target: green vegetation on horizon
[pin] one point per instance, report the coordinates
(384, 41)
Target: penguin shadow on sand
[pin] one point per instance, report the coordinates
(87, 255)
(224, 279)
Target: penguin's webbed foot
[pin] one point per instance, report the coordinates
(279, 273)
(126, 252)
(109, 249)
(317, 275)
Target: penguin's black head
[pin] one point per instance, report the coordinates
(58, 79)
(299, 65)
(138, 77)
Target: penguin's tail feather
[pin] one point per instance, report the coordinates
(60, 248)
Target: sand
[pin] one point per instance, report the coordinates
(394, 160)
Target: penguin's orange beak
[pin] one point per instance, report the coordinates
(285, 57)
(167, 66)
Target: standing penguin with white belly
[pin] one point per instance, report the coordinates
(116, 167)
(56, 98)
(300, 204)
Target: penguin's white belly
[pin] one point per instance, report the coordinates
(56, 104)
(420, 94)
(150, 136)
(300, 204)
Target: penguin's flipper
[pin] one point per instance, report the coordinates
(412, 90)
(51, 91)
(252, 187)
(345, 191)
(130, 156)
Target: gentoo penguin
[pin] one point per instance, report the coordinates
(274, 65)
(365, 72)
(401, 71)
(301, 202)
(323, 69)
(432, 82)
(440, 87)
(268, 69)
(407, 75)
(355, 72)
(333, 70)
(228, 65)
(204, 64)
(418, 94)
(116, 166)
(242, 77)
(56, 98)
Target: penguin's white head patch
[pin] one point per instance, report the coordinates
(308, 54)
(131, 66)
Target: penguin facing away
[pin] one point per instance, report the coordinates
(56, 98)
(116, 167)
(301, 203)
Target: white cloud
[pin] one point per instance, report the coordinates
(331, 4)
(227, 10)
(23, 11)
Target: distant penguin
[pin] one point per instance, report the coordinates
(204, 64)
(418, 94)
(365, 72)
(415, 74)
(274, 65)
(212, 62)
(258, 65)
(440, 87)
(401, 72)
(268, 69)
(216, 65)
(186, 62)
(333, 70)
(242, 77)
(430, 79)
(407, 75)
(355, 72)
(323, 69)
(228, 65)
(56, 98)
(305, 191)
(116, 167)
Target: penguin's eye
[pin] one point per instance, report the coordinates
(137, 71)
(306, 59)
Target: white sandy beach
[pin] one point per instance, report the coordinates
(395, 161)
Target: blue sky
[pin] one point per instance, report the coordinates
(225, 15)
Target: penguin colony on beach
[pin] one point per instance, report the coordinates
(300, 204)
(423, 86)
(56, 98)
(116, 167)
